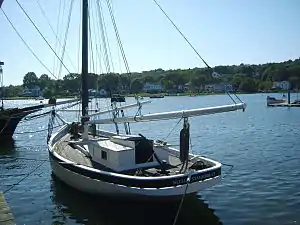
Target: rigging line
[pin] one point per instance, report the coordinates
(103, 36)
(103, 46)
(79, 42)
(229, 171)
(22, 158)
(59, 31)
(36, 131)
(32, 52)
(100, 47)
(24, 177)
(109, 4)
(181, 201)
(54, 61)
(41, 34)
(94, 36)
(172, 129)
(118, 36)
(108, 46)
(182, 34)
(66, 35)
(53, 31)
(91, 42)
(118, 51)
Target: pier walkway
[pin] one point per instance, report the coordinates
(6, 217)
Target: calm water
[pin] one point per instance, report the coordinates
(263, 145)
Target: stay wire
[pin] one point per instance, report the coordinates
(42, 35)
(99, 52)
(53, 31)
(108, 46)
(118, 36)
(28, 47)
(92, 38)
(101, 24)
(176, 27)
(57, 25)
(91, 44)
(173, 129)
(59, 31)
(79, 42)
(65, 39)
(109, 4)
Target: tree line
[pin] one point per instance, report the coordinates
(243, 77)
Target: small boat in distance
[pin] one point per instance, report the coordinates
(157, 96)
(282, 102)
(40, 98)
(271, 101)
(117, 98)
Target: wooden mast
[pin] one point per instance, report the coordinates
(1, 81)
(84, 74)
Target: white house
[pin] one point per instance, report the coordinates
(283, 85)
(218, 87)
(223, 87)
(153, 87)
(34, 91)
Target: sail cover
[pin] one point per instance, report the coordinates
(1, 1)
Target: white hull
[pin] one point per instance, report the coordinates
(97, 187)
(81, 179)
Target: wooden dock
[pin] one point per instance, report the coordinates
(285, 105)
(6, 217)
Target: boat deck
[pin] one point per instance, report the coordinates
(66, 150)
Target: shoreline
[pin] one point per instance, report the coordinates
(164, 94)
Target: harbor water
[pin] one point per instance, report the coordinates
(263, 187)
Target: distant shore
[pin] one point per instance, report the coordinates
(149, 94)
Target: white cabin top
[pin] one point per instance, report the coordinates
(121, 153)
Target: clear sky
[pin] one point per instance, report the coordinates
(224, 32)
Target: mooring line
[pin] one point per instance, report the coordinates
(229, 171)
(37, 131)
(21, 158)
(181, 202)
(24, 178)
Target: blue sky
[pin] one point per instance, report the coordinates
(223, 32)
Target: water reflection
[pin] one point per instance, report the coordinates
(7, 146)
(72, 205)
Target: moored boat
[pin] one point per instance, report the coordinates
(157, 96)
(272, 101)
(102, 162)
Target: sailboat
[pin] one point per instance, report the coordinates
(10, 117)
(101, 162)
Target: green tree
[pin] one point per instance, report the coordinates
(44, 81)
(198, 81)
(12, 91)
(136, 85)
(30, 79)
(70, 82)
(295, 82)
(248, 85)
